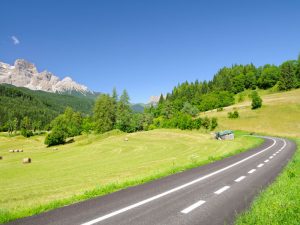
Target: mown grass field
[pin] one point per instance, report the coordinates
(280, 116)
(98, 164)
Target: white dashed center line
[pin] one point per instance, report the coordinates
(266, 161)
(252, 171)
(260, 165)
(222, 190)
(271, 157)
(192, 207)
(240, 178)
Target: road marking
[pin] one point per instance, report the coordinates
(274, 154)
(192, 207)
(266, 161)
(252, 171)
(222, 190)
(271, 157)
(240, 178)
(101, 218)
(260, 165)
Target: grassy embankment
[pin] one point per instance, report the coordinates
(280, 116)
(98, 164)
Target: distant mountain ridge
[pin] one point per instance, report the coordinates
(25, 74)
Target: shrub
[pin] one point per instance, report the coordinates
(233, 115)
(26, 133)
(256, 100)
(206, 123)
(197, 123)
(56, 137)
(214, 123)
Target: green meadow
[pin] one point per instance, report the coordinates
(94, 165)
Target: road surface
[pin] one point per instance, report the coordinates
(211, 194)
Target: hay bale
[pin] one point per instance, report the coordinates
(17, 150)
(26, 160)
(55, 148)
(125, 139)
(1, 157)
(11, 151)
(21, 150)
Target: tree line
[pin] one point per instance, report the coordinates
(114, 112)
(193, 97)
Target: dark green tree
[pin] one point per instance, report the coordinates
(123, 117)
(269, 76)
(104, 113)
(287, 78)
(214, 123)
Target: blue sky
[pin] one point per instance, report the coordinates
(150, 46)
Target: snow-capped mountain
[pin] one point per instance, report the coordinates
(25, 74)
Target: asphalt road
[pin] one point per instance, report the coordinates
(211, 194)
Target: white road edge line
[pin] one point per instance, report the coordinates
(222, 190)
(260, 165)
(252, 171)
(266, 161)
(101, 218)
(240, 178)
(192, 207)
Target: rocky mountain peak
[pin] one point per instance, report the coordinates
(25, 74)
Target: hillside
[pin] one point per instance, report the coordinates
(279, 115)
(18, 102)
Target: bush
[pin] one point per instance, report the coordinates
(56, 137)
(26, 133)
(220, 109)
(233, 115)
(214, 123)
(206, 123)
(256, 100)
(197, 123)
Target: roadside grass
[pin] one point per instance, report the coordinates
(280, 203)
(96, 165)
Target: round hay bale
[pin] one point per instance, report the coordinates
(126, 139)
(1, 157)
(55, 148)
(26, 160)
(21, 150)
(17, 150)
(11, 151)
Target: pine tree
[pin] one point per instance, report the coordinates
(161, 99)
(104, 113)
(123, 116)
(287, 79)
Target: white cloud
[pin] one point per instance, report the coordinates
(15, 40)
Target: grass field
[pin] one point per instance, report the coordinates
(98, 164)
(280, 115)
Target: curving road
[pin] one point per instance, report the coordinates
(211, 194)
